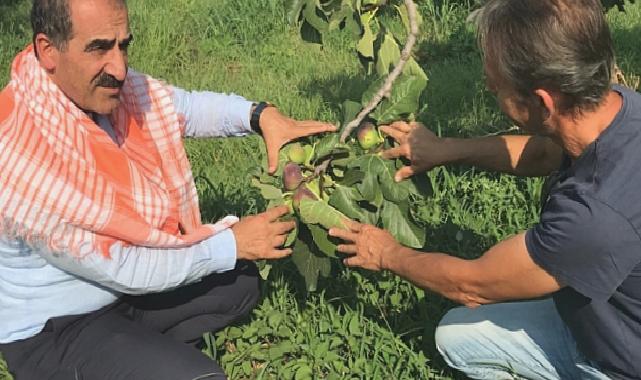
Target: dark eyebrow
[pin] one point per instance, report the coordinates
(100, 44)
(126, 41)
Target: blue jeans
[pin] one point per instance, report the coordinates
(513, 340)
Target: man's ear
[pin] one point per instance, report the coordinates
(47, 53)
(546, 102)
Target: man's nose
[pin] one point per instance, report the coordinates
(117, 64)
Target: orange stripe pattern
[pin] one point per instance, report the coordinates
(67, 187)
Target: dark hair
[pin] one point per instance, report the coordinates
(52, 18)
(561, 45)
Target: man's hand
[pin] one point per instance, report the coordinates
(278, 130)
(372, 247)
(416, 143)
(262, 236)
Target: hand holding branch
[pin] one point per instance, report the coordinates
(416, 143)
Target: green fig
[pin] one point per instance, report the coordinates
(302, 193)
(297, 153)
(368, 136)
(292, 176)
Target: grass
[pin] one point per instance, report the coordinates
(361, 325)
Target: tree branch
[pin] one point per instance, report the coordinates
(386, 88)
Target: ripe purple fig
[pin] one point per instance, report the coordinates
(302, 193)
(297, 153)
(292, 176)
(368, 136)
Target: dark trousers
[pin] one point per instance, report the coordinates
(155, 336)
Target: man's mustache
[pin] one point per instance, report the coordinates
(107, 80)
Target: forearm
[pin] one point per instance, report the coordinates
(210, 114)
(505, 272)
(528, 156)
(438, 272)
(139, 270)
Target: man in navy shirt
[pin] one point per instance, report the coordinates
(576, 274)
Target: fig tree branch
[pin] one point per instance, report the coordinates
(386, 88)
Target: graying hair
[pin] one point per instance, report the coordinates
(560, 45)
(53, 19)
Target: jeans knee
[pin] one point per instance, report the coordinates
(455, 328)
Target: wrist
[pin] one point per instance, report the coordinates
(256, 115)
(240, 252)
(394, 259)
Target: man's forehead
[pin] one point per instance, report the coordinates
(99, 18)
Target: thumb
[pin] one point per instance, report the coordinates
(272, 158)
(404, 173)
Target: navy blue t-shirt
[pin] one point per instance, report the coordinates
(588, 239)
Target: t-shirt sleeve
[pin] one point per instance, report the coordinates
(584, 244)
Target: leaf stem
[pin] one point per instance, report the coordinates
(386, 88)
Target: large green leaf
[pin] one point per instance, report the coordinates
(310, 34)
(291, 236)
(309, 265)
(353, 27)
(366, 44)
(420, 185)
(371, 166)
(350, 109)
(370, 189)
(344, 199)
(268, 192)
(403, 101)
(392, 191)
(397, 220)
(311, 14)
(413, 68)
(328, 145)
(292, 9)
(352, 177)
(388, 55)
(406, 21)
(340, 16)
(319, 212)
(321, 240)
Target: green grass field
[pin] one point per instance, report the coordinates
(359, 325)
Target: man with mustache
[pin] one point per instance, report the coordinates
(577, 273)
(98, 208)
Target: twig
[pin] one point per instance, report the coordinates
(320, 169)
(386, 88)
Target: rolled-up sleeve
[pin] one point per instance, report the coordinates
(211, 114)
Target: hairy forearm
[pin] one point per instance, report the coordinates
(529, 156)
(441, 273)
(505, 272)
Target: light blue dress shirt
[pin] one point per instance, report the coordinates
(36, 285)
